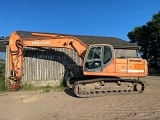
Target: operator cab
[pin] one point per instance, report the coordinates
(98, 57)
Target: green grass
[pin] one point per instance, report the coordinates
(48, 88)
(28, 87)
(3, 85)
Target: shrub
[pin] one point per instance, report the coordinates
(3, 86)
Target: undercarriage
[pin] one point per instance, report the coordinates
(94, 87)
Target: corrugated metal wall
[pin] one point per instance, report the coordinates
(43, 66)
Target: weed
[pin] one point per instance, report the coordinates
(29, 87)
(48, 88)
(3, 86)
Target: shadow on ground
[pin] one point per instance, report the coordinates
(70, 92)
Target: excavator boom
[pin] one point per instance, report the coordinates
(17, 44)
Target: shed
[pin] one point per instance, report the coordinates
(2, 45)
(48, 66)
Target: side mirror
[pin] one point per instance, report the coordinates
(97, 64)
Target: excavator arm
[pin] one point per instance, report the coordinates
(16, 51)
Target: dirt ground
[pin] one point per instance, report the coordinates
(65, 106)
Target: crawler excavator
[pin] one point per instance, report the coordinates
(103, 73)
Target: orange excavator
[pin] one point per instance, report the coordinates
(103, 73)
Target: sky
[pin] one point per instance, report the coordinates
(110, 18)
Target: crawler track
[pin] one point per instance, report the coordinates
(106, 86)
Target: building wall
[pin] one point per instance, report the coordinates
(48, 66)
(43, 66)
(125, 53)
(7, 73)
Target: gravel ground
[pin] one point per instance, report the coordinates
(32, 105)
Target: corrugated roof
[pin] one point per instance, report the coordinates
(85, 38)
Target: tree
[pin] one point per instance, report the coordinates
(148, 37)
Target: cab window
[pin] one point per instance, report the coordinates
(107, 54)
(94, 53)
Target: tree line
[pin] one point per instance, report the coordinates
(148, 37)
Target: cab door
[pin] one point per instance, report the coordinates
(98, 57)
(93, 60)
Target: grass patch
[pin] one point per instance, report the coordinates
(29, 87)
(3, 85)
(48, 88)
